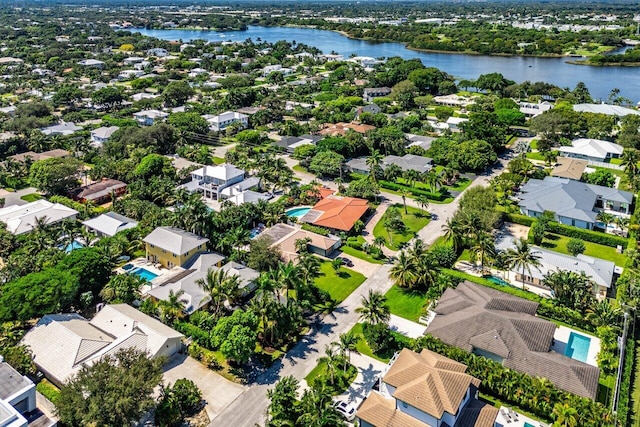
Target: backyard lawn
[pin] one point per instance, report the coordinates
(413, 221)
(558, 243)
(218, 160)
(405, 303)
(338, 284)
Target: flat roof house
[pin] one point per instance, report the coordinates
(224, 120)
(504, 328)
(425, 389)
(63, 343)
(573, 203)
(171, 246)
(336, 213)
(592, 149)
(211, 180)
(109, 224)
(22, 219)
(18, 400)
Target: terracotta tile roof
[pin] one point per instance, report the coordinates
(381, 412)
(333, 129)
(339, 213)
(472, 316)
(430, 382)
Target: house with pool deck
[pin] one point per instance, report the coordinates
(505, 328)
(572, 202)
(171, 246)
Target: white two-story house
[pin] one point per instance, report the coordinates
(222, 121)
(211, 180)
(425, 390)
(149, 117)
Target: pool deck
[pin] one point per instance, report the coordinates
(143, 263)
(509, 417)
(561, 338)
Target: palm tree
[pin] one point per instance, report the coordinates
(336, 264)
(403, 271)
(433, 180)
(123, 288)
(522, 257)
(172, 308)
(630, 158)
(219, 287)
(565, 415)
(374, 161)
(379, 242)
(622, 223)
(348, 343)
(603, 313)
(453, 233)
(484, 248)
(411, 176)
(374, 308)
(605, 218)
(404, 193)
(330, 359)
(423, 202)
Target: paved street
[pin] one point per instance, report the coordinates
(13, 198)
(250, 407)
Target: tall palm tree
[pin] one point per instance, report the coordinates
(404, 193)
(374, 161)
(423, 202)
(330, 359)
(172, 308)
(605, 218)
(484, 248)
(348, 343)
(630, 158)
(453, 233)
(622, 223)
(523, 256)
(403, 271)
(565, 415)
(603, 313)
(433, 180)
(219, 287)
(374, 309)
(378, 242)
(123, 288)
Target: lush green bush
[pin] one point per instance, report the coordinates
(587, 235)
(315, 229)
(444, 254)
(199, 335)
(519, 219)
(48, 390)
(625, 384)
(575, 246)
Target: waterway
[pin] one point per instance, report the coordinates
(599, 80)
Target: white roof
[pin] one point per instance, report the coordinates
(110, 223)
(456, 120)
(104, 132)
(174, 240)
(22, 219)
(62, 343)
(223, 117)
(248, 196)
(611, 110)
(592, 148)
(152, 114)
(64, 128)
(90, 62)
(223, 172)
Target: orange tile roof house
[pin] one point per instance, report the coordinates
(341, 129)
(337, 213)
(423, 390)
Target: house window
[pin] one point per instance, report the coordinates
(164, 252)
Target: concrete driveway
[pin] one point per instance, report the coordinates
(406, 327)
(217, 391)
(13, 198)
(369, 369)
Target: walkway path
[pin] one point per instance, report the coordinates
(369, 369)
(406, 327)
(250, 407)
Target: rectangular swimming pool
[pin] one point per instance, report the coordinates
(578, 347)
(144, 273)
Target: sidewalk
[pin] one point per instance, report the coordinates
(369, 369)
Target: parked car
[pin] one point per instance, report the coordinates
(347, 411)
(346, 261)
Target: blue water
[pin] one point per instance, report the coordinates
(526, 424)
(498, 281)
(144, 273)
(599, 80)
(578, 347)
(72, 246)
(297, 212)
(254, 233)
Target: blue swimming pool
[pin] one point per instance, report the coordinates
(144, 273)
(498, 281)
(297, 212)
(526, 424)
(578, 347)
(72, 246)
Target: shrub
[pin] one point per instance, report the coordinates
(378, 337)
(445, 255)
(536, 233)
(519, 219)
(625, 384)
(575, 246)
(315, 229)
(48, 390)
(199, 335)
(438, 197)
(587, 235)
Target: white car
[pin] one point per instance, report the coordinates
(347, 411)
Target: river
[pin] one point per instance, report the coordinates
(599, 80)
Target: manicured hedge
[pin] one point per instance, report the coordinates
(438, 197)
(625, 384)
(315, 229)
(199, 335)
(519, 219)
(49, 391)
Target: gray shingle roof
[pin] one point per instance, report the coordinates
(469, 317)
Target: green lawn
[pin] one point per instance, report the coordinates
(31, 197)
(360, 254)
(413, 221)
(535, 156)
(299, 168)
(558, 243)
(320, 371)
(534, 144)
(339, 285)
(406, 304)
(218, 160)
